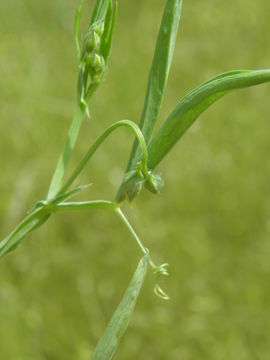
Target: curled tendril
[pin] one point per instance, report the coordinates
(160, 293)
(158, 271)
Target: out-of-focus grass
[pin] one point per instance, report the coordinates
(211, 222)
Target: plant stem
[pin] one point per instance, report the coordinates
(80, 205)
(99, 141)
(64, 159)
(120, 214)
(29, 223)
(103, 204)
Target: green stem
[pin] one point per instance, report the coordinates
(29, 223)
(81, 205)
(120, 214)
(102, 204)
(99, 141)
(64, 159)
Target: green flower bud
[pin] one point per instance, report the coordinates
(97, 63)
(131, 186)
(95, 67)
(154, 183)
(92, 61)
(98, 28)
(92, 42)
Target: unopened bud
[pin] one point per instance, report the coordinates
(154, 183)
(92, 42)
(95, 67)
(98, 63)
(98, 28)
(130, 187)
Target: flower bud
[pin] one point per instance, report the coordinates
(95, 67)
(130, 187)
(99, 64)
(95, 61)
(98, 28)
(92, 42)
(154, 183)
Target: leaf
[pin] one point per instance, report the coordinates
(76, 27)
(61, 167)
(158, 74)
(37, 216)
(70, 194)
(194, 103)
(109, 31)
(108, 344)
(107, 26)
(33, 221)
(100, 10)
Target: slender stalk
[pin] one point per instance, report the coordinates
(81, 205)
(102, 204)
(120, 214)
(64, 159)
(99, 141)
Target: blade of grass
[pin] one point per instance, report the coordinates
(193, 104)
(116, 328)
(158, 74)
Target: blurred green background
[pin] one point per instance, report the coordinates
(211, 223)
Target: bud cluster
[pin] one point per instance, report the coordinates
(134, 181)
(94, 64)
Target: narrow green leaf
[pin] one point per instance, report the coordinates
(100, 10)
(70, 194)
(193, 104)
(158, 74)
(76, 27)
(84, 205)
(109, 37)
(64, 159)
(107, 25)
(38, 215)
(31, 222)
(108, 344)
